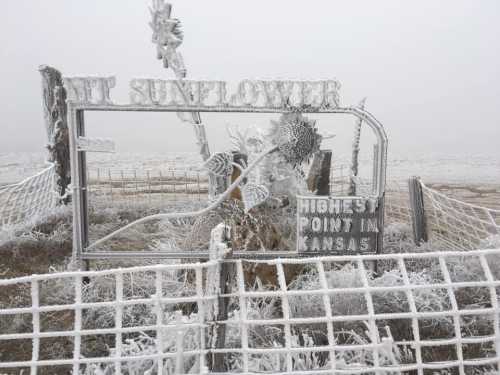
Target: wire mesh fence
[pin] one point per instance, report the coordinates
(428, 313)
(33, 197)
(453, 224)
(62, 323)
(153, 187)
(423, 313)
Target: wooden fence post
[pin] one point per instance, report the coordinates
(56, 123)
(318, 180)
(221, 282)
(417, 210)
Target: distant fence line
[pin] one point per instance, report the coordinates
(131, 186)
(451, 223)
(33, 197)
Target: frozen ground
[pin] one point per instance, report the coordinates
(446, 169)
(46, 246)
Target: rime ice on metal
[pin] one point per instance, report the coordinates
(253, 195)
(167, 35)
(297, 138)
(90, 90)
(220, 164)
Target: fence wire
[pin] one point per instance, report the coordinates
(33, 197)
(425, 314)
(139, 187)
(453, 224)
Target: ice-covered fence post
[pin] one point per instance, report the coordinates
(179, 333)
(417, 210)
(56, 124)
(318, 180)
(222, 282)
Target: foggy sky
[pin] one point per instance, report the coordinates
(429, 69)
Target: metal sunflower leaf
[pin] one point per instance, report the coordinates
(220, 164)
(253, 195)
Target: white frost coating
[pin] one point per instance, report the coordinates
(451, 223)
(218, 251)
(35, 304)
(355, 148)
(379, 348)
(253, 195)
(220, 164)
(95, 144)
(454, 224)
(244, 94)
(218, 242)
(118, 321)
(168, 36)
(35, 196)
(89, 90)
(176, 215)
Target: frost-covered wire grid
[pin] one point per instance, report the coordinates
(454, 224)
(133, 186)
(428, 312)
(150, 317)
(33, 197)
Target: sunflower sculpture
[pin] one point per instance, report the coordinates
(297, 138)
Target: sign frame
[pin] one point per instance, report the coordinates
(76, 124)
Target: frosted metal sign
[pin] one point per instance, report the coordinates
(95, 144)
(333, 225)
(325, 224)
(209, 94)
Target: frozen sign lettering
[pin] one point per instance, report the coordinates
(245, 94)
(337, 225)
(90, 90)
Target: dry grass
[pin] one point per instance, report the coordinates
(46, 246)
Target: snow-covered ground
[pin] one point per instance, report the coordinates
(462, 169)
